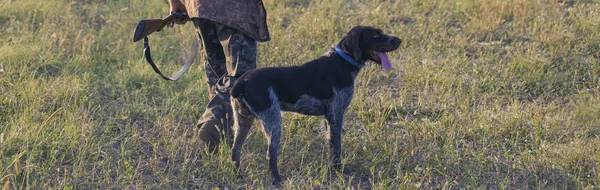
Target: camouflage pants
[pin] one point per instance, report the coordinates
(228, 53)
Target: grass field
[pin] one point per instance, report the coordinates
(484, 94)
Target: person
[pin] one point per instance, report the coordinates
(229, 31)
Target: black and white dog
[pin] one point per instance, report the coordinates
(324, 86)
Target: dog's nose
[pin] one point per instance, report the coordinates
(396, 41)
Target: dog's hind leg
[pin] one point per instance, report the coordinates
(243, 119)
(272, 127)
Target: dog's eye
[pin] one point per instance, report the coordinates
(376, 35)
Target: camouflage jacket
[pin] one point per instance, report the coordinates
(248, 16)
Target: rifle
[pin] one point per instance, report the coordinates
(148, 26)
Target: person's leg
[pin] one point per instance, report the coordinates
(239, 52)
(214, 57)
(211, 130)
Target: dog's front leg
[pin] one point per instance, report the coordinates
(334, 126)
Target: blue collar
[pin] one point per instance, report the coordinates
(346, 56)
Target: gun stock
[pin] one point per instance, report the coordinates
(148, 26)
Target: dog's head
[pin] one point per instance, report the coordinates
(365, 43)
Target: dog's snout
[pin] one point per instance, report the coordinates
(396, 41)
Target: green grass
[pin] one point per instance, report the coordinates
(484, 94)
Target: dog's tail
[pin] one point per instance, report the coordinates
(238, 89)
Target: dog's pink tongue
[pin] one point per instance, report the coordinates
(385, 61)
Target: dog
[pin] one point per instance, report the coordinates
(321, 87)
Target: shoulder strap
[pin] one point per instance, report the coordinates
(185, 67)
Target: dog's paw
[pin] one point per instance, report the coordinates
(277, 182)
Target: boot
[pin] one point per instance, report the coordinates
(216, 122)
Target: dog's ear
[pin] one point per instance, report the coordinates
(349, 43)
